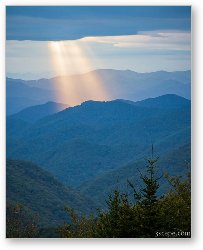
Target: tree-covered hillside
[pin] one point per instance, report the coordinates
(93, 138)
(35, 113)
(40, 192)
(174, 163)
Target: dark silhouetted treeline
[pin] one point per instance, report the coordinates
(149, 216)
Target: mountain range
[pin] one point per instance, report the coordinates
(125, 84)
(91, 139)
(60, 155)
(19, 95)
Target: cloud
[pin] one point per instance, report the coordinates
(144, 52)
(71, 22)
(167, 40)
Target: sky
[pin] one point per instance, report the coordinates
(43, 42)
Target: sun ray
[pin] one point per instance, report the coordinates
(69, 56)
(65, 90)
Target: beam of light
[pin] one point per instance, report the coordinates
(72, 56)
(65, 90)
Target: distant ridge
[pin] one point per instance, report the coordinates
(167, 101)
(117, 84)
(35, 81)
(20, 95)
(35, 113)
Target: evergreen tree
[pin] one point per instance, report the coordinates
(147, 200)
(175, 208)
(119, 220)
(80, 227)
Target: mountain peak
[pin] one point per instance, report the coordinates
(37, 112)
(165, 101)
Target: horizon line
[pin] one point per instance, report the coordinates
(87, 72)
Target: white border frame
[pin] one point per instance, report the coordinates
(197, 128)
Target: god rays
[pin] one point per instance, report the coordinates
(67, 56)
